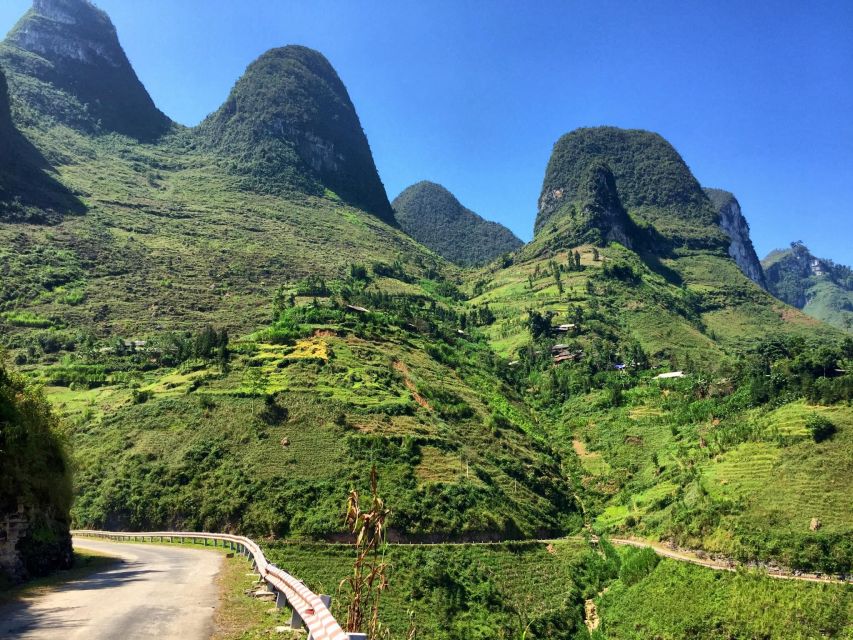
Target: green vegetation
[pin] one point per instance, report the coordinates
(677, 600)
(434, 217)
(35, 481)
(458, 453)
(235, 333)
(821, 288)
(325, 153)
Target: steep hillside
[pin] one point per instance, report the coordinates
(266, 434)
(28, 189)
(434, 217)
(289, 125)
(68, 64)
(821, 288)
(35, 484)
(250, 427)
(735, 225)
(654, 185)
(587, 322)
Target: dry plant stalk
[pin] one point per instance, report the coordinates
(369, 577)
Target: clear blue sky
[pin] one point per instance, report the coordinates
(757, 96)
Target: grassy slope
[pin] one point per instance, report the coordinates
(682, 601)
(167, 242)
(636, 461)
(352, 396)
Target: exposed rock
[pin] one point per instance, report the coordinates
(289, 125)
(33, 543)
(733, 222)
(434, 217)
(72, 46)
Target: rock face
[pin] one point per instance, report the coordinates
(6, 127)
(733, 222)
(72, 46)
(434, 217)
(289, 125)
(33, 543)
(35, 484)
(652, 182)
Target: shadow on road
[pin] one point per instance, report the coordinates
(21, 617)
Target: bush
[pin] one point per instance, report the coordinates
(820, 427)
(637, 564)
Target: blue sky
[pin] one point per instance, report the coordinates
(757, 96)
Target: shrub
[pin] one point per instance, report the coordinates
(820, 427)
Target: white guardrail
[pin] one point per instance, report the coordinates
(309, 609)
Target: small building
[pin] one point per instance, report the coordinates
(671, 374)
(352, 307)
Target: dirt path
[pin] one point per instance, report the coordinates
(401, 368)
(155, 592)
(695, 557)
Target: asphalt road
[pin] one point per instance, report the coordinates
(165, 593)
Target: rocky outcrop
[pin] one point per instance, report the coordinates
(434, 217)
(6, 127)
(33, 543)
(592, 214)
(289, 125)
(35, 484)
(72, 46)
(733, 222)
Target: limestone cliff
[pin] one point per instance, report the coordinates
(733, 222)
(77, 71)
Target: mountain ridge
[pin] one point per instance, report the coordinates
(71, 47)
(819, 287)
(289, 123)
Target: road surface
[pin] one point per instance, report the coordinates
(158, 592)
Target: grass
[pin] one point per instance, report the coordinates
(240, 616)
(679, 601)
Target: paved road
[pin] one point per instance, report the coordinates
(153, 592)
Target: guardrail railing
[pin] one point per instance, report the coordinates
(309, 609)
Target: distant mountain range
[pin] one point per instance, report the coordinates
(821, 288)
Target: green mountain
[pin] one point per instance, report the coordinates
(582, 318)
(653, 183)
(289, 124)
(182, 298)
(434, 217)
(821, 288)
(235, 330)
(66, 62)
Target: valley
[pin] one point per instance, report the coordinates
(228, 327)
